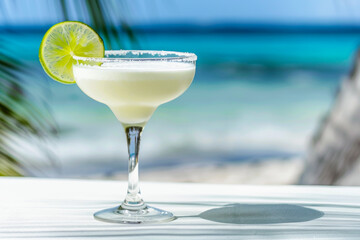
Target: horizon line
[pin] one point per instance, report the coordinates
(182, 27)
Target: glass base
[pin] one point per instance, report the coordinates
(146, 215)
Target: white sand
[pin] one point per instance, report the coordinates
(265, 172)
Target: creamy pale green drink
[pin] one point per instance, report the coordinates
(132, 83)
(134, 90)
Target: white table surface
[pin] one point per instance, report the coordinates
(62, 209)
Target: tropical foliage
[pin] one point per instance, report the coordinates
(20, 119)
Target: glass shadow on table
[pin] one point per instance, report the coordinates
(244, 213)
(260, 214)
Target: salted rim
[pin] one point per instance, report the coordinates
(182, 56)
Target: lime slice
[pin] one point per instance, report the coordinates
(64, 40)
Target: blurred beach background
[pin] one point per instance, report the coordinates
(267, 73)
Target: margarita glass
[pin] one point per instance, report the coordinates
(133, 84)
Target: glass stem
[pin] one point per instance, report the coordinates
(133, 200)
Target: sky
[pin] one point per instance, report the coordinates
(139, 12)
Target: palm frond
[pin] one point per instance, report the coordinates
(101, 14)
(18, 116)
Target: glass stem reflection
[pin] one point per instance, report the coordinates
(133, 200)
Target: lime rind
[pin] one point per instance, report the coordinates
(61, 42)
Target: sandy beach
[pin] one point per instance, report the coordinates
(277, 172)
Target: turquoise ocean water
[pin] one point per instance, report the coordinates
(255, 96)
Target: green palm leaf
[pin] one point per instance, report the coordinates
(18, 117)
